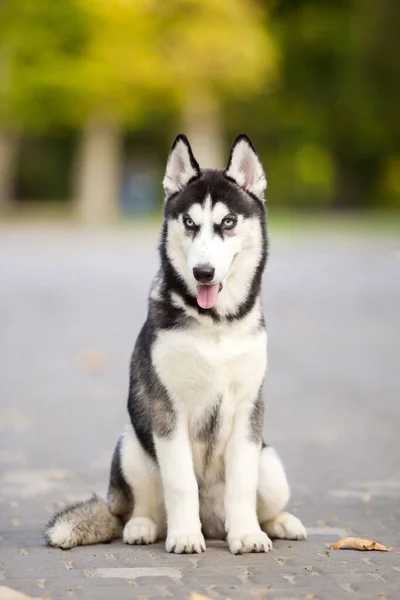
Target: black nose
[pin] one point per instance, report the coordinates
(204, 273)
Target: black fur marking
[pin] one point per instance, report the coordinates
(257, 419)
(149, 406)
(164, 417)
(120, 496)
(208, 430)
(218, 231)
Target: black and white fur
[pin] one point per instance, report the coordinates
(192, 464)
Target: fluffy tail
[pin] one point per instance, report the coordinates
(89, 522)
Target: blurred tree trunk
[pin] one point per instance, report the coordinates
(8, 164)
(201, 123)
(98, 171)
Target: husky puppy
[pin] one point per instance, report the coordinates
(192, 464)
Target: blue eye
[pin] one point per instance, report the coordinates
(228, 223)
(188, 222)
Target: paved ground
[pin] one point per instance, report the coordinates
(71, 304)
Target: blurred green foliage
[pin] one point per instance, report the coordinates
(315, 84)
(329, 130)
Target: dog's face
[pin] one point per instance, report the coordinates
(215, 236)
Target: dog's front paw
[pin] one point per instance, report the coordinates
(286, 527)
(185, 543)
(140, 530)
(257, 541)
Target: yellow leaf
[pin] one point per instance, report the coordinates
(358, 544)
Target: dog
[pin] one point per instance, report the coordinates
(192, 463)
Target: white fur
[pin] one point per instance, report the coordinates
(179, 169)
(286, 526)
(271, 498)
(242, 465)
(140, 530)
(246, 169)
(144, 478)
(180, 490)
(62, 534)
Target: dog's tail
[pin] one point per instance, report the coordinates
(89, 522)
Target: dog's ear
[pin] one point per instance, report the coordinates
(245, 168)
(181, 166)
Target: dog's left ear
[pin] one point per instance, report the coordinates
(181, 166)
(245, 168)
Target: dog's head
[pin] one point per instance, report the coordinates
(214, 232)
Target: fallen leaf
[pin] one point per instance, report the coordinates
(198, 597)
(358, 544)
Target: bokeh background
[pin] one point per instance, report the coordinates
(92, 94)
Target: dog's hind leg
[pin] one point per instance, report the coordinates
(273, 496)
(146, 521)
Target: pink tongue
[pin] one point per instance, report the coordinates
(207, 295)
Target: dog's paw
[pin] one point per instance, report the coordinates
(185, 543)
(256, 541)
(286, 527)
(140, 530)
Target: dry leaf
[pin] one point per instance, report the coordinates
(358, 544)
(198, 597)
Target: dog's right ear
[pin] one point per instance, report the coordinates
(181, 166)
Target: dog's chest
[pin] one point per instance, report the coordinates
(198, 365)
(207, 375)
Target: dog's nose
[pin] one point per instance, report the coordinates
(204, 273)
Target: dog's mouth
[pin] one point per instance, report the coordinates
(207, 295)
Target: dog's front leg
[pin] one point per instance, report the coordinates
(180, 492)
(242, 459)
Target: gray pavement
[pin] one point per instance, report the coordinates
(72, 302)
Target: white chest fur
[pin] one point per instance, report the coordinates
(207, 366)
(202, 362)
